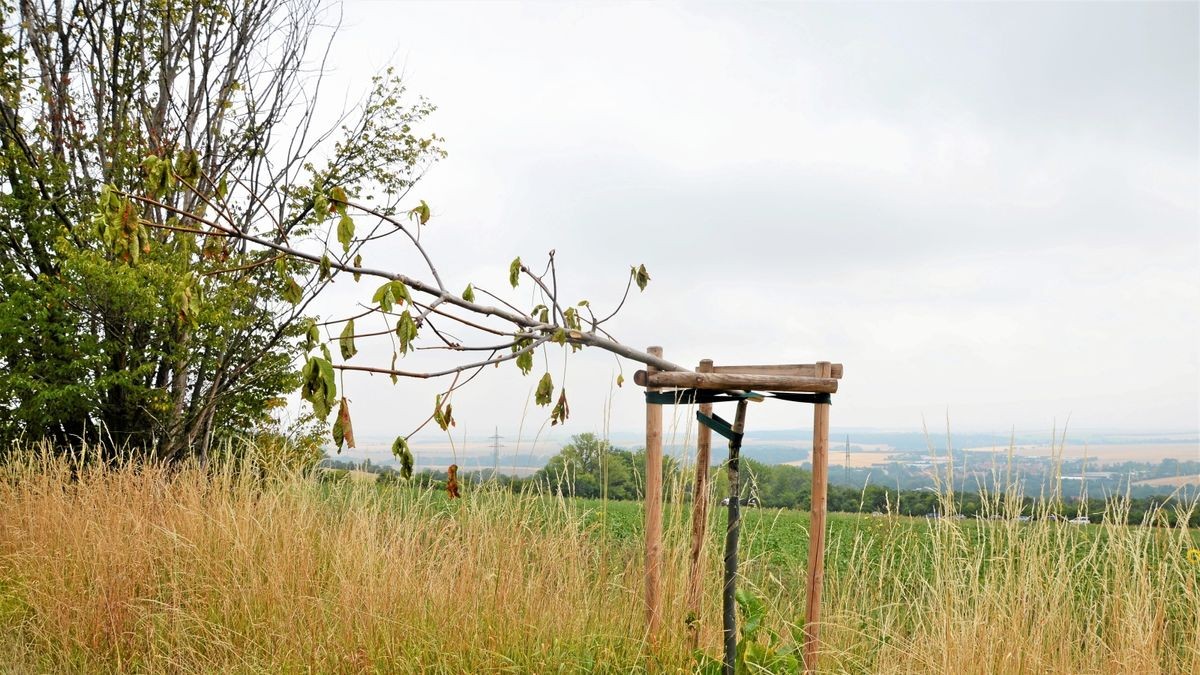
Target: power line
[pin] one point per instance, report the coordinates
(495, 437)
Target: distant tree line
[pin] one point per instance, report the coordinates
(591, 468)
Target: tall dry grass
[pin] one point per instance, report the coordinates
(189, 569)
(1011, 597)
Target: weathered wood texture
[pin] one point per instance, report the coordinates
(796, 369)
(658, 379)
(816, 530)
(732, 530)
(700, 499)
(654, 507)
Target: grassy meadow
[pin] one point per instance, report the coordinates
(196, 570)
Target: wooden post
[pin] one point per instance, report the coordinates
(654, 507)
(816, 530)
(695, 589)
(729, 589)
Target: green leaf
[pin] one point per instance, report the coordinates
(406, 331)
(443, 416)
(404, 454)
(393, 375)
(345, 231)
(571, 318)
(545, 390)
(640, 277)
(384, 297)
(222, 187)
(312, 335)
(525, 362)
(620, 380)
(469, 294)
(514, 271)
(318, 385)
(542, 313)
(292, 292)
(358, 263)
(524, 358)
(325, 267)
(346, 341)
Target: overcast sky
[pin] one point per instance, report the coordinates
(989, 212)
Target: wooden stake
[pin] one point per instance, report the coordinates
(729, 589)
(654, 507)
(816, 530)
(700, 499)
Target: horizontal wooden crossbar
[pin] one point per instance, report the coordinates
(797, 369)
(675, 379)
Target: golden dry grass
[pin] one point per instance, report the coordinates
(145, 569)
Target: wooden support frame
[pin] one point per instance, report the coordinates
(820, 378)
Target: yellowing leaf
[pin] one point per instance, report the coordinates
(343, 429)
(345, 232)
(640, 277)
(561, 410)
(292, 292)
(545, 390)
(419, 213)
(514, 271)
(443, 416)
(338, 196)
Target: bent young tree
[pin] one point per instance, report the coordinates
(414, 309)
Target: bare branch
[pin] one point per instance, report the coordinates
(449, 371)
